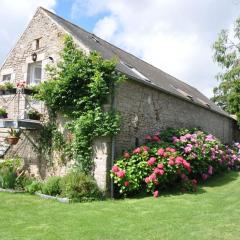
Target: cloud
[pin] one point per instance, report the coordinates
(14, 17)
(175, 36)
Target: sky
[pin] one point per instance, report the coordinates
(175, 36)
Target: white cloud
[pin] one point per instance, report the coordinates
(14, 17)
(176, 36)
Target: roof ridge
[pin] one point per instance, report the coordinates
(114, 46)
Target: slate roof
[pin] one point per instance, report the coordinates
(136, 68)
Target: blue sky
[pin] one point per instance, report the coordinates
(175, 36)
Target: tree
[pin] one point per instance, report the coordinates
(227, 55)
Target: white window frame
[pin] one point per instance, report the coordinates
(31, 73)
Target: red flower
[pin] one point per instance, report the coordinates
(126, 184)
(194, 182)
(171, 162)
(148, 137)
(156, 194)
(137, 150)
(152, 177)
(115, 168)
(151, 161)
(160, 151)
(156, 139)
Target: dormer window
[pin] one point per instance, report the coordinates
(6, 77)
(34, 73)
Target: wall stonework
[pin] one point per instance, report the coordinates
(145, 110)
(51, 42)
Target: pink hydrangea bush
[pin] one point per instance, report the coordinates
(175, 157)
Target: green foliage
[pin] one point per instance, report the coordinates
(78, 88)
(33, 186)
(34, 114)
(226, 54)
(52, 186)
(80, 187)
(9, 170)
(14, 132)
(8, 86)
(3, 112)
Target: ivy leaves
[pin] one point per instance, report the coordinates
(80, 85)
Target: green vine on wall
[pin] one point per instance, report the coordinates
(78, 88)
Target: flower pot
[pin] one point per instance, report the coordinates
(12, 140)
(3, 116)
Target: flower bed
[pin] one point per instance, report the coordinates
(179, 158)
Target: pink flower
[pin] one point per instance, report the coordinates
(157, 133)
(179, 160)
(171, 162)
(160, 165)
(184, 177)
(156, 194)
(121, 174)
(126, 184)
(188, 136)
(175, 139)
(194, 182)
(160, 151)
(152, 177)
(156, 139)
(151, 161)
(183, 139)
(146, 148)
(158, 171)
(147, 180)
(148, 137)
(126, 155)
(115, 168)
(137, 150)
(204, 176)
(210, 170)
(169, 149)
(188, 148)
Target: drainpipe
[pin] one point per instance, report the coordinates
(112, 140)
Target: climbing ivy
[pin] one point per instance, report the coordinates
(79, 86)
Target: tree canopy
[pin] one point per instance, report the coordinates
(227, 55)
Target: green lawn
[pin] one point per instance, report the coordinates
(212, 213)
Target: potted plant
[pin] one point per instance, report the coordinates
(3, 113)
(2, 89)
(14, 136)
(34, 114)
(9, 88)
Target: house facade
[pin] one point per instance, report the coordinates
(149, 101)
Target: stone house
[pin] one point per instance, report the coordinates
(150, 100)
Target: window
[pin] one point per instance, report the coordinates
(36, 44)
(34, 73)
(134, 70)
(6, 77)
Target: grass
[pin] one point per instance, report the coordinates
(212, 213)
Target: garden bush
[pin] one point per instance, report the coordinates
(80, 187)
(179, 158)
(33, 186)
(9, 171)
(52, 186)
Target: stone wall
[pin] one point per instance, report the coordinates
(145, 110)
(51, 42)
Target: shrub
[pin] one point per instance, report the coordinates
(33, 187)
(181, 158)
(9, 170)
(52, 186)
(80, 187)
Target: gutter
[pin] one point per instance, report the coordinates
(113, 141)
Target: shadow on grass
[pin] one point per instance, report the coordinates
(215, 181)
